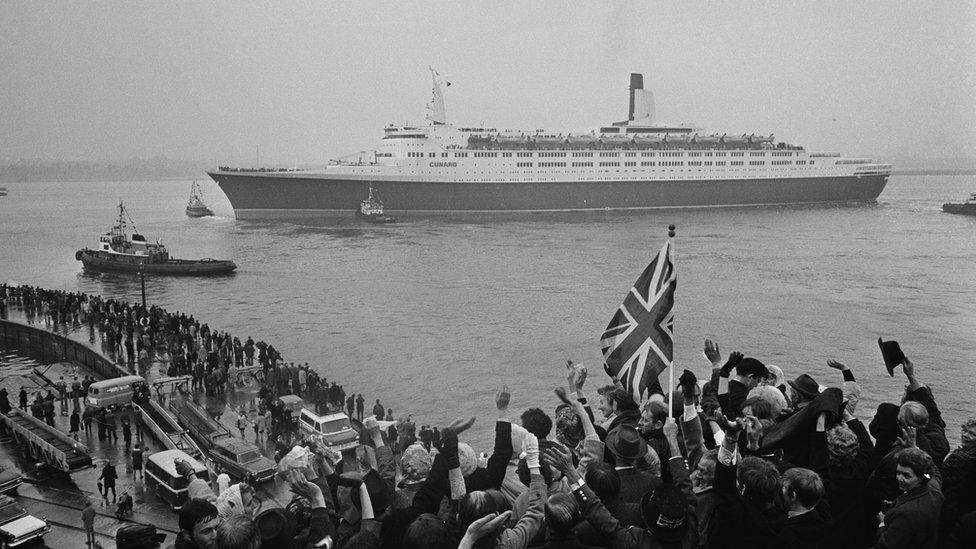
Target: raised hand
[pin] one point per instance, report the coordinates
(908, 437)
(578, 377)
(300, 486)
(711, 352)
(734, 359)
(909, 368)
(482, 527)
(502, 398)
(836, 365)
(754, 430)
(559, 458)
(372, 427)
(561, 394)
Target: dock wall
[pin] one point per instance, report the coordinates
(48, 347)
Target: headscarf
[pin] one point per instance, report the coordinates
(569, 428)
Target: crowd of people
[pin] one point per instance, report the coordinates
(746, 456)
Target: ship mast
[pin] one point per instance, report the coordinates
(436, 113)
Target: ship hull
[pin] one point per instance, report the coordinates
(198, 212)
(94, 261)
(961, 209)
(263, 195)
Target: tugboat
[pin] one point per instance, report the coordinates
(966, 208)
(196, 207)
(371, 210)
(120, 251)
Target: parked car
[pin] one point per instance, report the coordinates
(242, 459)
(9, 481)
(332, 429)
(16, 526)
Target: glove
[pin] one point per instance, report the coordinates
(449, 449)
(530, 446)
(732, 362)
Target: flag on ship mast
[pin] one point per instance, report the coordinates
(638, 344)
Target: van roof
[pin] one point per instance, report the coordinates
(124, 380)
(166, 459)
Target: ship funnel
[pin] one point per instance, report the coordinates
(641, 101)
(636, 83)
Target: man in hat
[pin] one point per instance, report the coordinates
(627, 448)
(138, 536)
(802, 391)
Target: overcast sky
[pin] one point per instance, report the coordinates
(308, 81)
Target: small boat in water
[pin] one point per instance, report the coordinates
(120, 250)
(3, 191)
(196, 207)
(966, 208)
(371, 210)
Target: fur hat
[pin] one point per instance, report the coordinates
(842, 444)
(277, 527)
(772, 395)
(468, 459)
(415, 463)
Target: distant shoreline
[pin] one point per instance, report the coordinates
(108, 179)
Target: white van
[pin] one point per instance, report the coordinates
(334, 429)
(118, 390)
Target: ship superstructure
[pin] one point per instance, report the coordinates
(637, 163)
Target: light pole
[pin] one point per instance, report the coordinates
(142, 283)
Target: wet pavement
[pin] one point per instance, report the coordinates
(59, 498)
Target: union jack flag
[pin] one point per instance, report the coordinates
(638, 344)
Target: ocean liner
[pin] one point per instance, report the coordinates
(638, 163)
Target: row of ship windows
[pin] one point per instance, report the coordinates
(589, 154)
(668, 163)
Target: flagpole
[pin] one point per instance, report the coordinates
(673, 332)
